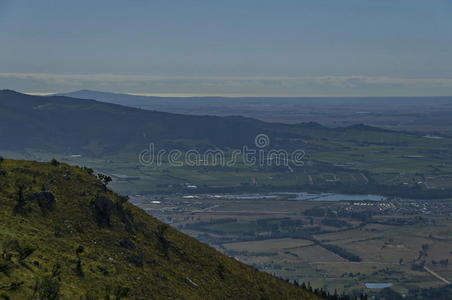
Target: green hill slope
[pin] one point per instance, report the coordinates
(63, 235)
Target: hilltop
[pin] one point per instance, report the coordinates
(64, 235)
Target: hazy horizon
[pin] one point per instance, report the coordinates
(186, 95)
(238, 48)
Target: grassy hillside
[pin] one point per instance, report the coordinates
(63, 235)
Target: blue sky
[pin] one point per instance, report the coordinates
(213, 47)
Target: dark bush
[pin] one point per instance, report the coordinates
(334, 222)
(103, 209)
(315, 212)
(5, 268)
(161, 236)
(45, 200)
(54, 162)
(14, 248)
(221, 270)
(79, 268)
(47, 288)
(88, 170)
(136, 259)
(127, 243)
(105, 179)
(19, 208)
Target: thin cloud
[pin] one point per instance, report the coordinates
(246, 85)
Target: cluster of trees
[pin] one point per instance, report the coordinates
(291, 223)
(440, 293)
(203, 225)
(342, 252)
(105, 179)
(211, 222)
(315, 212)
(402, 221)
(328, 296)
(363, 216)
(442, 263)
(276, 225)
(335, 222)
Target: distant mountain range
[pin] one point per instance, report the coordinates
(423, 114)
(67, 125)
(64, 124)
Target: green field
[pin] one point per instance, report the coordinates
(281, 236)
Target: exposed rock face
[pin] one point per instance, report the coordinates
(45, 199)
(127, 243)
(103, 208)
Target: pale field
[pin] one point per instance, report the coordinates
(348, 236)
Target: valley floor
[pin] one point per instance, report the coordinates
(402, 242)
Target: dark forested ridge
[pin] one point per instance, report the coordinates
(422, 114)
(64, 124)
(57, 123)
